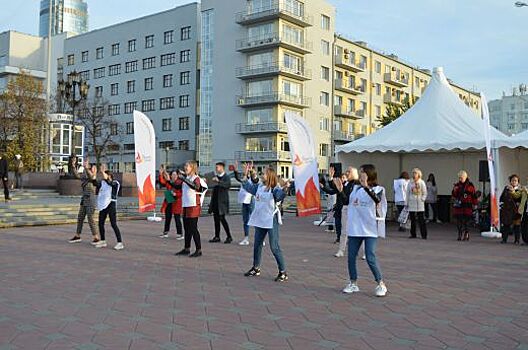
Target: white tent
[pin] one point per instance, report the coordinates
(521, 155)
(439, 135)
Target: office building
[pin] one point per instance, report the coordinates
(510, 113)
(66, 16)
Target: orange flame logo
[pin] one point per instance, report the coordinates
(139, 158)
(310, 203)
(147, 197)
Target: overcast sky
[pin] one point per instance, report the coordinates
(482, 44)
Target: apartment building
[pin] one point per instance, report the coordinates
(148, 64)
(510, 113)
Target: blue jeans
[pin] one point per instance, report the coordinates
(247, 209)
(354, 243)
(260, 235)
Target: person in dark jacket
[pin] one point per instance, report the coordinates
(510, 218)
(172, 203)
(219, 205)
(330, 188)
(4, 168)
(464, 201)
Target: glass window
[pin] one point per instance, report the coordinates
(168, 59)
(325, 73)
(98, 91)
(184, 123)
(260, 31)
(129, 129)
(378, 67)
(325, 98)
(325, 22)
(291, 88)
(260, 144)
(115, 49)
(130, 107)
(132, 45)
(99, 73)
(167, 80)
(149, 63)
(260, 87)
(114, 70)
(85, 75)
(168, 37)
(131, 86)
(324, 150)
(131, 66)
(262, 59)
(184, 101)
(166, 103)
(148, 105)
(324, 124)
(71, 60)
(325, 47)
(114, 109)
(185, 78)
(292, 62)
(259, 116)
(84, 56)
(114, 89)
(185, 56)
(166, 124)
(149, 41)
(99, 53)
(292, 34)
(183, 145)
(185, 33)
(149, 84)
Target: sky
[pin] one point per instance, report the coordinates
(482, 44)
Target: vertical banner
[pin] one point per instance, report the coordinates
(302, 148)
(145, 154)
(494, 204)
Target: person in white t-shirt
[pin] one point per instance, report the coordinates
(246, 200)
(107, 205)
(400, 194)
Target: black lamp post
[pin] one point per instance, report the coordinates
(73, 91)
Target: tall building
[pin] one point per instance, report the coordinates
(510, 113)
(66, 16)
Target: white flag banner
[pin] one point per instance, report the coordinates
(302, 149)
(145, 154)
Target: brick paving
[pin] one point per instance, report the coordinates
(443, 294)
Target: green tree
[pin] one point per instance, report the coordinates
(394, 111)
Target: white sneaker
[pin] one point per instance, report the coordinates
(364, 257)
(381, 290)
(179, 237)
(339, 254)
(350, 288)
(438, 221)
(164, 235)
(263, 243)
(119, 246)
(245, 241)
(100, 244)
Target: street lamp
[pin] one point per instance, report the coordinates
(167, 150)
(521, 4)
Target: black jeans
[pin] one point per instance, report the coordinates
(177, 220)
(110, 211)
(463, 225)
(507, 230)
(191, 232)
(418, 216)
(220, 219)
(338, 221)
(6, 188)
(435, 210)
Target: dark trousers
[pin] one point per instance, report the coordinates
(418, 216)
(190, 226)
(507, 230)
(220, 219)
(338, 221)
(177, 220)
(463, 224)
(18, 181)
(434, 206)
(6, 188)
(111, 212)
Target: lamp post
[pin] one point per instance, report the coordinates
(167, 149)
(521, 4)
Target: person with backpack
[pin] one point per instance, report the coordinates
(107, 205)
(172, 203)
(464, 196)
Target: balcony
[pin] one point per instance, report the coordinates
(343, 136)
(273, 98)
(395, 100)
(396, 79)
(340, 111)
(350, 65)
(263, 156)
(269, 127)
(343, 86)
(271, 40)
(278, 9)
(272, 69)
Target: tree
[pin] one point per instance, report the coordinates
(394, 111)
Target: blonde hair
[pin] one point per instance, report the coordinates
(194, 166)
(353, 173)
(417, 172)
(462, 173)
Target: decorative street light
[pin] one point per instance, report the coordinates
(521, 4)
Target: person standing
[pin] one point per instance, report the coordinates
(247, 201)
(431, 202)
(510, 217)
(4, 176)
(352, 179)
(416, 195)
(88, 203)
(464, 201)
(107, 205)
(172, 203)
(219, 205)
(19, 170)
(337, 209)
(400, 194)
(266, 218)
(193, 191)
(367, 209)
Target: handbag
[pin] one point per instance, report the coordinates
(404, 216)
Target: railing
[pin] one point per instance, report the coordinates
(396, 79)
(273, 97)
(261, 127)
(355, 66)
(263, 155)
(341, 111)
(272, 68)
(276, 8)
(342, 85)
(341, 135)
(271, 39)
(388, 98)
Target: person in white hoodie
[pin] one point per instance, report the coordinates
(416, 196)
(107, 206)
(400, 194)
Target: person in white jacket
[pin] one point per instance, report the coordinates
(416, 196)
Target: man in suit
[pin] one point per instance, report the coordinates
(219, 205)
(4, 169)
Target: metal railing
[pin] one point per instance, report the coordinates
(273, 39)
(276, 8)
(263, 155)
(343, 85)
(273, 97)
(356, 66)
(261, 127)
(273, 68)
(395, 78)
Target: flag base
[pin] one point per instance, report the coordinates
(491, 234)
(154, 218)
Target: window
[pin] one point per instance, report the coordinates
(167, 80)
(130, 107)
(168, 37)
(149, 63)
(183, 145)
(113, 129)
(99, 53)
(166, 124)
(378, 89)
(324, 124)
(166, 144)
(132, 45)
(324, 150)
(185, 33)
(184, 101)
(129, 130)
(148, 105)
(184, 123)
(114, 89)
(325, 47)
(166, 103)
(115, 49)
(377, 65)
(149, 84)
(325, 98)
(168, 59)
(185, 56)
(84, 56)
(131, 66)
(114, 69)
(259, 116)
(114, 109)
(130, 147)
(71, 60)
(325, 73)
(85, 75)
(149, 41)
(325, 22)
(131, 86)
(338, 100)
(99, 73)
(98, 91)
(185, 78)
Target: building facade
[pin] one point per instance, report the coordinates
(510, 113)
(66, 16)
(147, 64)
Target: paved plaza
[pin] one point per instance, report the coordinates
(443, 294)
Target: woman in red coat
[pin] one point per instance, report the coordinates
(172, 204)
(464, 200)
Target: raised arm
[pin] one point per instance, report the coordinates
(250, 187)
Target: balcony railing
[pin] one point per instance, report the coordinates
(341, 111)
(287, 40)
(273, 68)
(342, 85)
(396, 79)
(277, 9)
(347, 63)
(340, 135)
(273, 98)
(263, 156)
(388, 98)
(244, 128)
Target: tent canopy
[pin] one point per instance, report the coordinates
(438, 121)
(520, 140)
